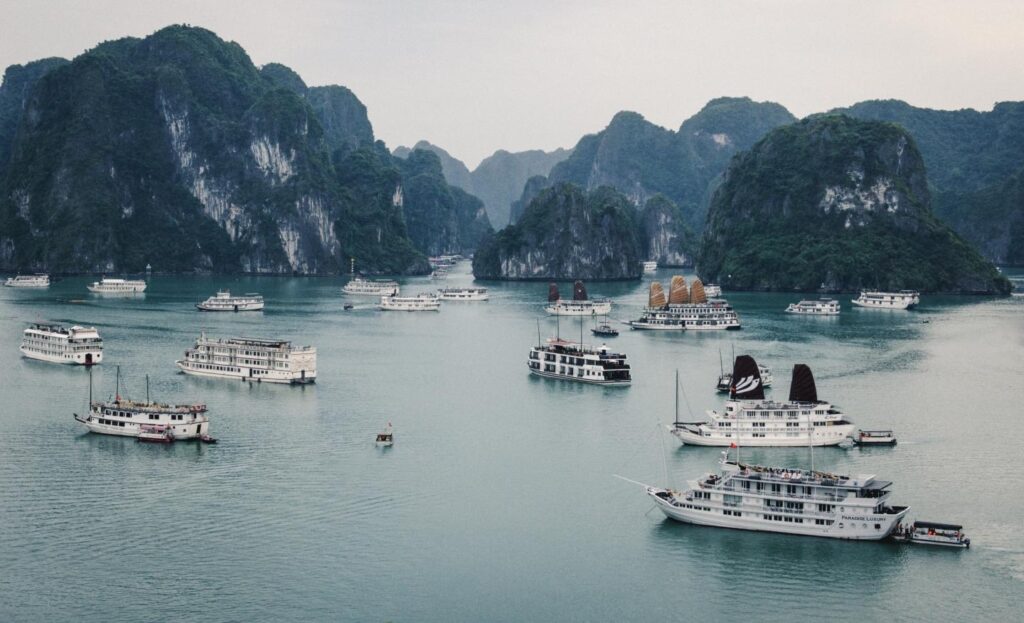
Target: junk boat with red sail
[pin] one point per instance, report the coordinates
(685, 309)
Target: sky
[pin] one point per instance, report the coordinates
(477, 76)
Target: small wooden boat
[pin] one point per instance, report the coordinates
(387, 438)
(207, 439)
(605, 330)
(349, 306)
(875, 438)
(932, 533)
(155, 433)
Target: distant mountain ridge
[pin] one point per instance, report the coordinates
(498, 180)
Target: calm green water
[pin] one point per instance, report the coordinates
(497, 502)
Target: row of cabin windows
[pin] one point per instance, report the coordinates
(784, 518)
(112, 423)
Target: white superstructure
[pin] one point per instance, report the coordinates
(28, 281)
(418, 302)
(572, 361)
(250, 359)
(791, 501)
(713, 291)
(873, 299)
(117, 286)
(580, 305)
(650, 266)
(370, 287)
(685, 309)
(223, 301)
(821, 307)
(463, 294)
(58, 344)
(128, 418)
(750, 420)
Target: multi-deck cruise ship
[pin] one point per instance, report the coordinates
(417, 302)
(117, 286)
(873, 299)
(223, 301)
(58, 344)
(358, 286)
(821, 307)
(750, 420)
(28, 281)
(580, 305)
(572, 361)
(463, 294)
(250, 359)
(791, 501)
(685, 310)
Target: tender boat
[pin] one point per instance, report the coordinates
(28, 281)
(604, 330)
(250, 359)
(873, 299)
(750, 420)
(387, 438)
(117, 286)
(463, 294)
(418, 302)
(580, 305)
(155, 433)
(685, 309)
(650, 266)
(932, 533)
(58, 344)
(358, 286)
(821, 307)
(786, 500)
(223, 301)
(572, 361)
(875, 438)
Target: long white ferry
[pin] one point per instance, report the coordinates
(572, 361)
(685, 310)
(358, 286)
(152, 421)
(223, 301)
(580, 305)
(28, 281)
(463, 294)
(117, 286)
(790, 501)
(821, 307)
(873, 299)
(250, 359)
(417, 302)
(58, 344)
(750, 420)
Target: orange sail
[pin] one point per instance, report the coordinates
(657, 298)
(677, 294)
(697, 292)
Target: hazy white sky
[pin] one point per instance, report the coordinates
(474, 77)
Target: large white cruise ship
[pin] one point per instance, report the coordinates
(463, 294)
(820, 307)
(750, 420)
(791, 501)
(873, 299)
(580, 305)
(223, 301)
(572, 361)
(417, 302)
(685, 310)
(28, 281)
(58, 344)
(250, 359)
(117, 286)
(358, 286)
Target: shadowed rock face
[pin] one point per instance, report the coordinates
(566, 233)
(837, 203)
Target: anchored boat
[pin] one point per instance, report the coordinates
(28, 281)
(223, 301)
(685, 309)
(932, 533)
(874, 299)
(572, 361)
(580, 305)
(117, 286)
(59, 344)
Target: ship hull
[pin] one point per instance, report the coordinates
(182, 432)
(566, 377)
(80, 359)
(229, 308)
(836, 434)
(272, 376)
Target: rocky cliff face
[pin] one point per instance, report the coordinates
(176, 151)
(18, 82)
(565, 233)
(837, 203)
(664, 235)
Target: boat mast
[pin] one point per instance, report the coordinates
(677, 398)
(117, 385)
(538, 333)
(147, 389)
(90, 388)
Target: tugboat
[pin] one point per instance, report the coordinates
(932, 533)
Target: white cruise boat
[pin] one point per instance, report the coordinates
(713, 291)
(790, 501)
(223, 301)
(28, 281)
(650, 266)
(358, 286)
(117, 286)
(572, 361)
(463, 294)
(250, 359)
(750, 420)
(580, 305)
(58, 344)
(417, 302)
(145, 420)
(873, 299)
(821, 307)
(685, 310)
